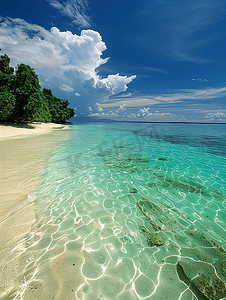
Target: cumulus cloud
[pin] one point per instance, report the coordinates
(65, 61)
(77, 10)
(99, 108)
(215, 115)
(121, 110)
(144, 112)
(143, 115)
(83, 52)
(110, 83)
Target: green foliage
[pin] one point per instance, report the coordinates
(21, 98)
(7, 98)
(25, 85)
(7, 105)
(37, 109)
(6, 72)
(58, 108)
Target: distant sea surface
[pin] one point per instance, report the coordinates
(128, 211)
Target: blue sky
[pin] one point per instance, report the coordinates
(147, 60)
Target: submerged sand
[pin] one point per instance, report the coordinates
(23, 151)
(104, 239)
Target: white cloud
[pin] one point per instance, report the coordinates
(199, 79)
(216, 115)
(115, 83)
(150, 69)
(180, 96)
(144, 112)
(124, 95)
(123, 107)
(121, 110)
(31, 44)
(66, 88)
(83, 52)
(65, 61)
(75, 10)
(99, 108)
(121, 114)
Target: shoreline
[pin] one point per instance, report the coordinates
(23, 153)
(24, 130)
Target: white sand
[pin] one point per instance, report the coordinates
(17, 130)
(23, 152)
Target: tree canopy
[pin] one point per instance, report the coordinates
(21, 98)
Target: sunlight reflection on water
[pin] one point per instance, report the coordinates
(127, 211)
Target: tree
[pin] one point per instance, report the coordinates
(58, 108)
(7, 105)
(7, 99)
(6, 72)
(37, 109)
(21, 98)
(25, 84)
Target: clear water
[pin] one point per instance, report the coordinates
(119, 206)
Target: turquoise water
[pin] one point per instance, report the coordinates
(128, 211)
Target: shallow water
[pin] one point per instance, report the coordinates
(127, 211)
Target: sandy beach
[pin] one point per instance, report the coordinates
(23, 151)
(21, 130)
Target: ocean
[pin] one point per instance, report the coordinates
(128, 211)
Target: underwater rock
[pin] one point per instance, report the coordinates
(155, 235)
(123, 161)
(221, 266)
(218, 194)
(130, 162)
(201, 279)
(205, 273)
(138, 158)
(133, 191)
(119, 147)
(184, 184)
(209, 252)
(152, 184)
(153, 238)
(149, 208)
(162, 218)
(201, 239)
(104, 153)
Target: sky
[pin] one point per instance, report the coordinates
(145, 61)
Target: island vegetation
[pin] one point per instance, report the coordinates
(22, 100)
